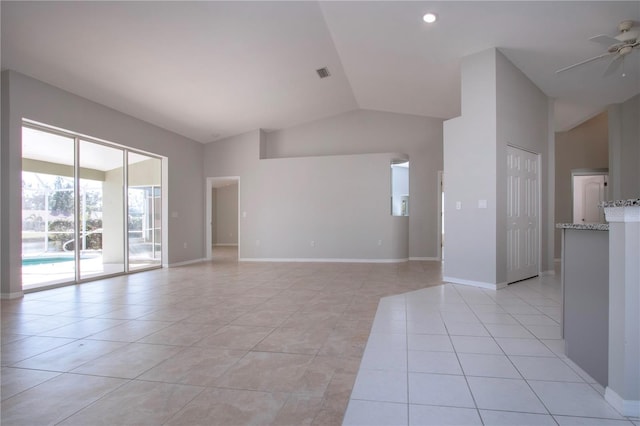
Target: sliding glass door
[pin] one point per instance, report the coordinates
(48, 208)
(90, 209)
(144, 200)
(101, 239)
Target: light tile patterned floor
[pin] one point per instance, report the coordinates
(227, 343)
(216, 343)
(458, 355)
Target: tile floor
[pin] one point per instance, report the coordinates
(217, 343)
(467, 356)
(222, 343)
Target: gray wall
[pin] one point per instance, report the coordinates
(585, 280)
(322, 207)
(470, 175)
(24, 97)
(500, 106)
(624, 149)
(226, 215)
(365, 131)
(523, 122)
(624, 310)
(584, 146)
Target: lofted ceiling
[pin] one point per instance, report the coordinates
(208, 70)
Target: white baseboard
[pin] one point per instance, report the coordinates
(481, 284)
(225, 245)
(321, 260)
(424, 258)
(557, 260)
(186, 262)
(547, 273)
(626, 407)
(14, 295)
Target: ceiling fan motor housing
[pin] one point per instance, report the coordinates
(625, 26)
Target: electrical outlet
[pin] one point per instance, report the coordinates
(313, 243)
(257, 242)
(379, 242)
(185, 245)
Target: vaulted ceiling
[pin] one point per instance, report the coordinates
(208, 70)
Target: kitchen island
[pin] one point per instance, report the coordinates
(585, 283)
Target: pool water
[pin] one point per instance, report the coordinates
(48, 260)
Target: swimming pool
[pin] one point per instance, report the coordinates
(47, 260)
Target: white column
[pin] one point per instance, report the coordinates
(623, 390)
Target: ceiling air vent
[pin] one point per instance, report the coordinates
(323, 72)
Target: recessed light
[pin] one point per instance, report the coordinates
(430, 18)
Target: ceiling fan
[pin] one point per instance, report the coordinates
(620, 46)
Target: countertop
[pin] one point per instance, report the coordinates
(634, 202)
(584, 226)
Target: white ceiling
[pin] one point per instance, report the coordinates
(208, 70)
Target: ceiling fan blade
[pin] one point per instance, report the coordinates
(614, 65)
(605, 39)
(604, 55)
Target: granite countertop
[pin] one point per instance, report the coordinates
(634, 202)
(584, 226)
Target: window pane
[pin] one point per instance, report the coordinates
(144, 211)
(101, 210)
(48, 208)
(400, 188)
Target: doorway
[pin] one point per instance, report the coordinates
(222, 214)
(523, 214)
(589, 189)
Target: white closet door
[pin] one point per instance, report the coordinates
(523, 214)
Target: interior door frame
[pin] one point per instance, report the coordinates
(585, 172)
(440, 214)
(539, 215)
(209, 213)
